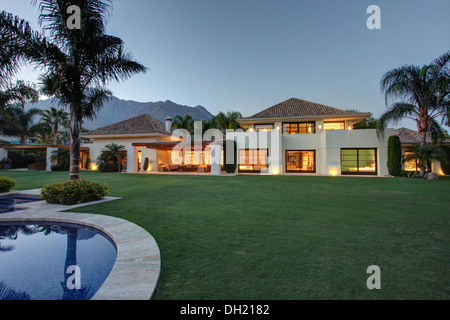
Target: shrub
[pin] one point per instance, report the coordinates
(229, 167)
(394, 156)
(108, 167)
(60, 167)
(73, 192)
(6, 184)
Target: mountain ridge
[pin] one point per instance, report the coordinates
(116, 110)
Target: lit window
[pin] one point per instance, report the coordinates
(300, 161)
(359, 161)
(263, 127)
(411, 165)
(335, 125)
(253, 160)
(299, 128)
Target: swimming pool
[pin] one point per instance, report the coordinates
(8, 203)
(53, 261)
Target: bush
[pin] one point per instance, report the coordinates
(229, 167)
(74, 192)
(108, 167)
(60, 167)
(394, 156)
(6, 184)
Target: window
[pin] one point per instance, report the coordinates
(335, 125)
(301, 161)
(411, 165)
(299, 128)
(263, 127)
(253, 160)
(359, 161)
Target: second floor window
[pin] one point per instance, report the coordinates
(299, 128)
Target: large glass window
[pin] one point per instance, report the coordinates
(334, 125)
(253, 160)
(411, 165)
(301, 161)
(263, 127)
(359, 161)
(299, 128)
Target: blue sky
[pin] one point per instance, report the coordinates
(248, 55)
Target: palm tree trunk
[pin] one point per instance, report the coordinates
(55, 134)
(422, 144)
(75, 142)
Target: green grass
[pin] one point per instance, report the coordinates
(285, 237)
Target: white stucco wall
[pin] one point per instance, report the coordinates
(327, 144)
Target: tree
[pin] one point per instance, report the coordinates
(227, 121)
(54, 118)
(394, 155)
(18, 122)
(426, 154)
(78, 63)
(186, 122)
(424, 97)
(113, 153)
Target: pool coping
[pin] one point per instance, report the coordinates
(135, 273)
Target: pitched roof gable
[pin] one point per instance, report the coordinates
(296, 108)
(410, 136)
(138, 125)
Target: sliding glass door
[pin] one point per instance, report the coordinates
(253, 160)
(301, 161)
(359, 161)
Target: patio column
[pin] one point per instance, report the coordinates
(216, 160)
(132, 160)
(49, 162)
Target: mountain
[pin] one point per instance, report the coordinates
(117, 110)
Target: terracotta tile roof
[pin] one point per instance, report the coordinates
(294, 107)
(140, 124)
(410, 136)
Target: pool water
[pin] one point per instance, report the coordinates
(8, 203)
(37, 259)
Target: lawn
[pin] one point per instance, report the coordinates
(285, 237)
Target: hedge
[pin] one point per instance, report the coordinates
(74, 192)
(394, 156)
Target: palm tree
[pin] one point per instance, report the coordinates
(77, 63)
(186, 122)
(228, 120)
(18, 122)
(426, 154)
(114, 153)
(17, 94)
(424, 97)
(53, 119)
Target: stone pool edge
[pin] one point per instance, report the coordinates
(135, 274)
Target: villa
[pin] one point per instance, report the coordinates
(293, 137)
(303, 137)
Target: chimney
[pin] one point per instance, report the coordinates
(169, 124)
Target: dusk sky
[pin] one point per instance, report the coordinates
(247, 55)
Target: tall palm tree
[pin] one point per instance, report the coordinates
(186, 122)
(17, 94)
(423, 92)
(228, 120)
(18, 122)
(53, 119)
(78, 63)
